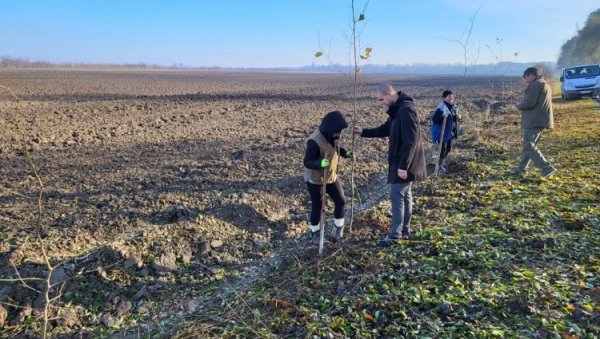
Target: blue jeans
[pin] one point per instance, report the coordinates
(401, 196)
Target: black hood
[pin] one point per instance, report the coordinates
(402, 97)
(333, 122)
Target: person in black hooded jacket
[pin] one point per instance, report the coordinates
(406, 160)
(322, 157)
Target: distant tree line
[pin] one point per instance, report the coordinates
(495, 69)
(584, 47)
(10, 62)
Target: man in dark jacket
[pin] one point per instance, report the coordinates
(406, 160)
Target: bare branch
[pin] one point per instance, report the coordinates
(22, 280)
(463, 41)
(13, 305)
(9, 191)
(40, 211)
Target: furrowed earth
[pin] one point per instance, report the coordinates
(166, 193)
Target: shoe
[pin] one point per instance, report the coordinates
(315, 237)
(337, 233)
(405, 233)
(385, 242)
(548, 172)
(442, 170)
(517, 171)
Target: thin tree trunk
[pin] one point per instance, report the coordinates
(323, 204)
(354, 98)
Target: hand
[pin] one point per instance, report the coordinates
(324, 163)
(349, 153)
(402, 174)
(357, 130)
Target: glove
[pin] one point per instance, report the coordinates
(349, 153)
(324, 163)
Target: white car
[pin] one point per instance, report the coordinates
(580, 81)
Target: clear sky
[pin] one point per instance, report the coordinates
(273, 33)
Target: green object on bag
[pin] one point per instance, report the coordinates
(324, 162)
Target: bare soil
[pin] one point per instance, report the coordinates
(161, 187)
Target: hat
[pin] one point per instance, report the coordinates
(333, 122)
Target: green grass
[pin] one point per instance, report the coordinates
(493, 256)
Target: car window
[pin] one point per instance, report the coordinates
(582, 71)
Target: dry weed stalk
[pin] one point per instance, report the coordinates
(48, 300)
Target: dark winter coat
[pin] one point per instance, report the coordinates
(405, 149)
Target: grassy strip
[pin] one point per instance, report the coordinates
(494, 255)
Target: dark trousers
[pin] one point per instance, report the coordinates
(446, 147)
(335, 192)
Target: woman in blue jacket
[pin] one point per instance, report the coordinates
(445, 109)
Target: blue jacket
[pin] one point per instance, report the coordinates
(451, 122)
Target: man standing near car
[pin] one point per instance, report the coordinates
(536, 115)
(406, 160)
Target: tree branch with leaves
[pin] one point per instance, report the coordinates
(358, 54)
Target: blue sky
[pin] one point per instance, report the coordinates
(273, 33)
